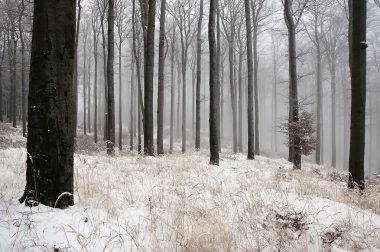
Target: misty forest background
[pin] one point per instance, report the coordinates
(322, 64)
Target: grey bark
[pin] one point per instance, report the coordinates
(214, 106)
(148, 80)
(199, 75)
(161, 85)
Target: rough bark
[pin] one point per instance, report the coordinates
(214, 149)
(50, 146)
(148, 80)
(293, 87)
(110, 81)
(161, 86)
(358, 87)
(251, 147)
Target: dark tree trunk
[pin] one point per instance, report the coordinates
(214, 149)
(251, 147)
(50, 146)
(358, 87)
(110, 81)
(293, 87)
(199, 75)
(161, 86)
(148, 80)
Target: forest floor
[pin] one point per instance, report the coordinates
(179, 202)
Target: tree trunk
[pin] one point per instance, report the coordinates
(84, 85)
(110, 137)
(232, 91)
(240, 87)
(214, 149)
(75, 81)
(219, 74)
(293, 87)
(274, 95)
(161, 85)
(95, 88)
(132, 121)
(1, 80)
(50, 146)
(358, 87)
(23, 85)
(120, 100)
(199, 75)
(256, 87)
(89, 93)
(251, 148)
(148, 81)
(172, 101)
(333, 110)
(319, 101)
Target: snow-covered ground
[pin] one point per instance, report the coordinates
(179, 202)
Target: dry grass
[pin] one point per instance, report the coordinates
(180, 203)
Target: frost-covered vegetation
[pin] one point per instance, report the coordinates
(180, 203)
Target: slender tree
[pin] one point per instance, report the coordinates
(161, 86)
(199, 74)
(95, 34)
(214, 106)
(121, 13)
(110, 137)
(292, 23)
(75, 80)
(50, 146)
(251, 147)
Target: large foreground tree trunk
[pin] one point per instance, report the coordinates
(50, 146)
(358, 87)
